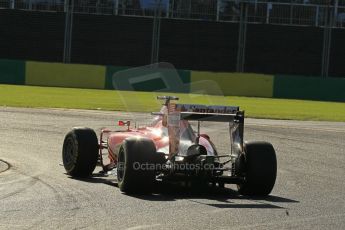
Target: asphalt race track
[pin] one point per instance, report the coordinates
(35, 193)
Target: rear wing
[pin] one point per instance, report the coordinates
(205, 112)
(215, 117)
(195, 108)
(214, 113)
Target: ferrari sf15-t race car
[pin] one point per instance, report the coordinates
(170, 150)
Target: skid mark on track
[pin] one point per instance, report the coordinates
(4, 166)
(16, 178)
(16, 182)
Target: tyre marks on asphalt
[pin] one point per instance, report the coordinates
(4, 166)
(14, 182)
(17, 185)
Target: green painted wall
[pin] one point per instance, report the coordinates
(65, 75)
(12, 72)
(232, 84)
(170, 80)
(310, 88)
(110, 71)
(148, 79)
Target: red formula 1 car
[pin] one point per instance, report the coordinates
(170, 150)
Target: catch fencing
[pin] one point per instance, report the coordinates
(327, 18)
(288, 12)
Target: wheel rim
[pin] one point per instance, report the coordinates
(120, 165)
(69, 153)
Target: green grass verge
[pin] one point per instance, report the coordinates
(50, 97)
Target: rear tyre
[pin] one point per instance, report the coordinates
(136, 161)
(80, 152)
(259, 169)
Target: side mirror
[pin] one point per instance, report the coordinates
(124, 123)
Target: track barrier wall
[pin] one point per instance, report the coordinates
(237, 84)
(311, 88)
(65, 75)
(230, 84)
(12, 72)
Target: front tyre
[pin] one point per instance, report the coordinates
(259, 169)
(136, 161)
(80, 152)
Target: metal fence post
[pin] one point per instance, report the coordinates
(317, 15)
(123, 6)
(68, 31)
(268, 10)
(190, 8)
(65, 6)
(30, 4)
(156, 33)
(327, 40)
(336, 4)
(242, 37)
(168, 9)
(116, 7)
(12, 4)
(172, 8)
(291, 13)
(218, 9)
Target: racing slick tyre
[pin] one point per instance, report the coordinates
(136, 161)
(259, 169)
(80, 152)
